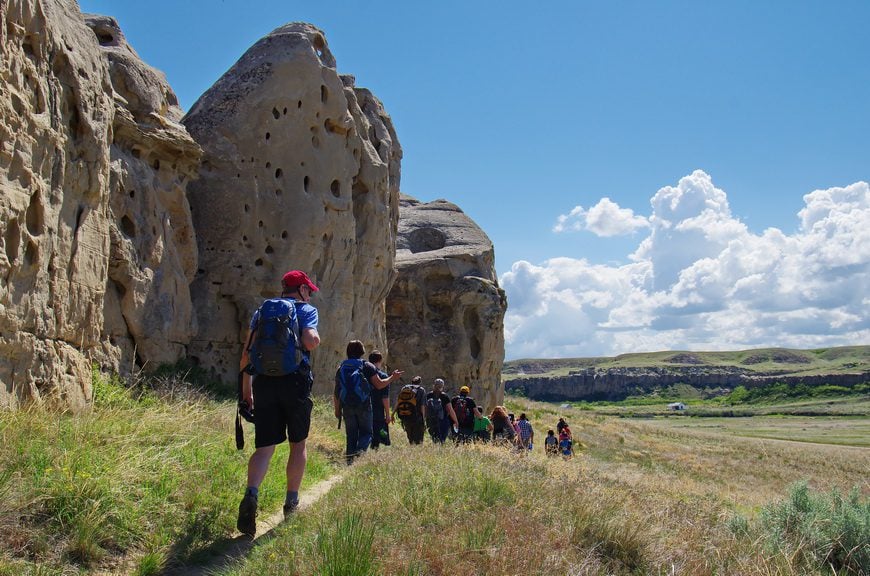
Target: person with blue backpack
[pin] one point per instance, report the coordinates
(352, 397)
(276, 387)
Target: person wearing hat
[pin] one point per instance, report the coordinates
(439, 413)
(464, 407)
(280, 397)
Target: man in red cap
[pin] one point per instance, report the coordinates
(277, 374)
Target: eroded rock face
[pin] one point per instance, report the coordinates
(149, 317)
(300, 171)
(98, 248)
(445, 312)
(56, 115)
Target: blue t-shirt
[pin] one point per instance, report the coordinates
(306, 314)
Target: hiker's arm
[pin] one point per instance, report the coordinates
(388, 418)
(381, 383)
(336, 400)
(452, 414)
(310, 339)
(247, 390)
(243, 363)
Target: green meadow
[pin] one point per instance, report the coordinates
(148, 482)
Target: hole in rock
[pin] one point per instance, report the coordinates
(426, 240)
(128, 227)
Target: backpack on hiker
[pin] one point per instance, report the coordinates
(463, 406)
(409, 403)
(353, 388)
(274, 347)
(434, 409)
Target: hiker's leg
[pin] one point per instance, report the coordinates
(258, 465)
(296, 465)
(365, 430)
(351, 428)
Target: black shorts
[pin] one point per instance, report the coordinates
(282, 408)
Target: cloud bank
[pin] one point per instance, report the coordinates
(700, 280)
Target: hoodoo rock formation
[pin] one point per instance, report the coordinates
(149, 318)
(300, 170)
(445, 312)
(132, 237)
(55, 131)
(98, 249)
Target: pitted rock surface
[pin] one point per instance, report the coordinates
(445, 312)
(300, 171)
(98, 245)
(149, 316)
(55, 123)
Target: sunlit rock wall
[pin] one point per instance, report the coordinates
(445, 312)
(300, 170)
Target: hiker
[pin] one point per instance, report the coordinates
(381, 417)
(439, 413)
(566, 444)
(551, 443)
(514, 426)
(352, 397)
(527, 434)
(482, 425)
(562, 426)
(276, 363)
(411, 410)
(463, 407)
(502, 428)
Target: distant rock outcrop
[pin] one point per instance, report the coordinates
(300, 170)
(619, 383)
(445, 312)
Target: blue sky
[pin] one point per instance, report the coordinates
(706, 126)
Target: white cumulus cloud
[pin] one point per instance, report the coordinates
(700, 279)
(604, 219)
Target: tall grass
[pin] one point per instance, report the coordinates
(143, 484)
(148, 478)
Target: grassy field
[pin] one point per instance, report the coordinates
(840, 360)
(150, 482)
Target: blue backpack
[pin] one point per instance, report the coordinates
(275, 350)
(353, 389)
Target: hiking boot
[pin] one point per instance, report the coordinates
(290, 508)
(247, 522)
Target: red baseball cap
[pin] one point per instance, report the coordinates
(295, 278)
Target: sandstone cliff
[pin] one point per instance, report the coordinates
(126, 244)
(55, 128)
(149, 318)
(445, 313)
(98, 247)
(300, 170)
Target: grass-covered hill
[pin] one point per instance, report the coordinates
(762, 361)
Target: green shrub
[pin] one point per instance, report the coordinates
(821, 530)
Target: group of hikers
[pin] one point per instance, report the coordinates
(275, 369)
